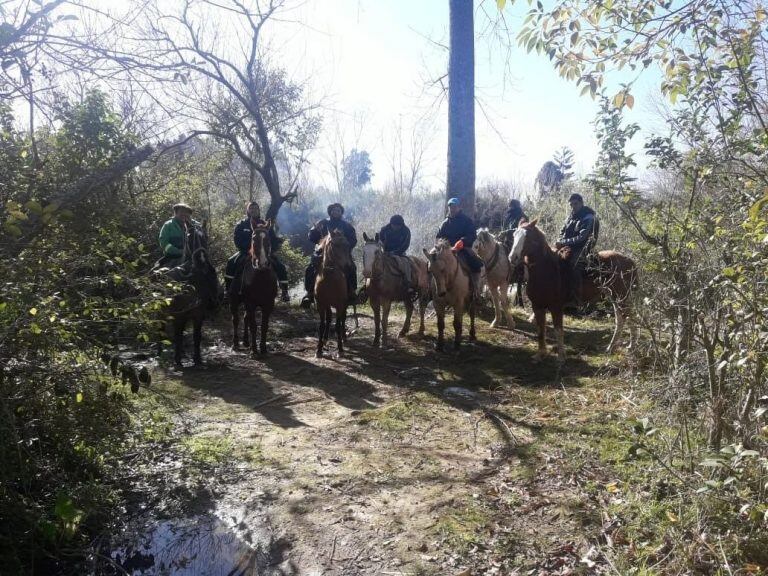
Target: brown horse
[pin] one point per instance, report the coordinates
(547, 284)
(331, 288)
(450, 287)
(387, 283)
(498, 272)
(256, 286)
(517, 275)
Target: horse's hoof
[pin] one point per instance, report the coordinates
(376, 342)
(402, 334)
(178, 366)
(472, 337)
(319, 354)
(263, 350)
(439, 347)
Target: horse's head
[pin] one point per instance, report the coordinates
(485, 243)
(527, 239)
(440, 263)
(202, 275)
(371, 249)
(336, 251)
(261, 246)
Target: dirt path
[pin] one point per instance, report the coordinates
(405, 461)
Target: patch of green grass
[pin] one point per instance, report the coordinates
(209, 450)
(463, 525)
(398, 416)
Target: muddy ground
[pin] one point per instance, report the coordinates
(404, 460)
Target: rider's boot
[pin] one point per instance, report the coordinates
(474, 280)
(308, 300)
(285, 297)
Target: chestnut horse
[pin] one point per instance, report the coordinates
(548, 278)
(387, 283)
(450, 287)
(331, 288)
(498, 272)
(256, 286)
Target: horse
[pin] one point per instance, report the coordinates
(517, 274)
(498, 271)
(548, 278)
(256, 286)
(331, 288)
(387, 283)
(450, 286)
(199, 295)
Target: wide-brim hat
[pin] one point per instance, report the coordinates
(454, 202)
(181, 206)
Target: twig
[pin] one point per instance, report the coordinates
(271, 400)
(333, 551)
(510, 436)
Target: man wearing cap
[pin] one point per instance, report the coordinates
(317, 233)
(459, 230)
(242, 238)
(579, 234)
(172, 236)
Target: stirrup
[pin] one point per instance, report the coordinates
(307, 301)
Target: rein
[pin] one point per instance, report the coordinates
(494, 260)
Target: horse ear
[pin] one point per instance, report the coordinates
(377, 237)
(533, 222)
(425, 253)
(365, 237)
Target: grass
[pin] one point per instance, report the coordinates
(462, 525)
(398, 417)
(209, 450)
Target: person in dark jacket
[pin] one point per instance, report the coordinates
(514, 215)
(395, 236)
(335, 221)
(459, 230)
(242, 239)
(580, 235)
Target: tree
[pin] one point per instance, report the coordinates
(461, 105)
(563, 159)
(356, 169)
(243, 99)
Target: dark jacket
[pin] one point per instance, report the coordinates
(395, 241)
(243, 233)
(460, 227)
(323, 227)
(579, 228)
(513, 217)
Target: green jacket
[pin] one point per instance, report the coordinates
(172, 238)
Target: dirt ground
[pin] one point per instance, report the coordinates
(405, 460)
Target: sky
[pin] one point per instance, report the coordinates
(378, 61)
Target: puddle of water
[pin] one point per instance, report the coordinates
(198, 546)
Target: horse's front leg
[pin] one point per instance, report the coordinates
(423, 303)
(494, 290)
(504, 295)
(385, 307)
(376, 305)
(540, 315)
(321, 332)
(252, 328)
(265, 314)
(557, 322)
(178, 340)
(408, 313)
(458, 319)
(197, 338)
(246, 329)
(341, 322)
(234, 306)
(472, 310)
(440, 311)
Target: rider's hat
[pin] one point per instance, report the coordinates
(454, 202)
(182, 207)
(575, 196)
(514, 203)
(397, 220)
(335, 205)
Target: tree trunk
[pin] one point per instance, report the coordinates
(461, 106)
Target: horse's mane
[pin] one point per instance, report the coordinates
(442, 244)
(483, 235)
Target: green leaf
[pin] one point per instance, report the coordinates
(35, 329)
(79, 397)
(501, 4)
(33, 311)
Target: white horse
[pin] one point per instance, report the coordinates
(498, 271)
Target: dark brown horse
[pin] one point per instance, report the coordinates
(256, 287)
(547, 286)
(200, 293)
(331, 288)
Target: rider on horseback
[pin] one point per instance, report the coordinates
(579, 235)
(396, 238)
(242, 238)
(317, 233)
(514, 215)
(459, 230)
(173, 236)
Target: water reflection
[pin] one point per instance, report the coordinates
(199, 546)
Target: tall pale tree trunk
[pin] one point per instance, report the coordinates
(461, 106)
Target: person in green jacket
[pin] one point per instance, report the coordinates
(172, 236)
